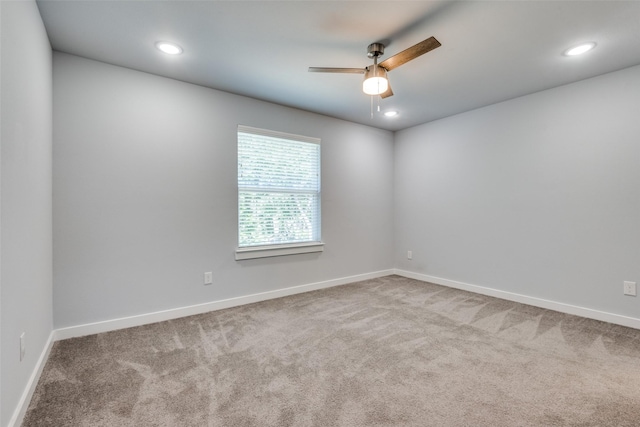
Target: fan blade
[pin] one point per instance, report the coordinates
(411, 53)
(388, 92)
(336, 70)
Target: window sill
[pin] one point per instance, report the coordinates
(252, 252)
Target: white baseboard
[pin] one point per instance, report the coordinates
(25, 399)
(617, 319)
(159, 316)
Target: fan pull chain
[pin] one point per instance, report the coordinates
(371, 101)
(377, 106)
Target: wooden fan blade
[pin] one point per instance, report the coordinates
(336, 70)
(388, 92)
(411, 53)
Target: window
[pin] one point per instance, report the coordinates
(278, 194)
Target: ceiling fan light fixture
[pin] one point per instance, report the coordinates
(375, 81)
(375, 76)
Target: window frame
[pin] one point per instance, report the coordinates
(279, 249)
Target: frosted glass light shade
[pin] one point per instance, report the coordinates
(375, 81)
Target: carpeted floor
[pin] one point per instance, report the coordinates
(384, 352)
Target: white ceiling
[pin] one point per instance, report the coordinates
(491, 50)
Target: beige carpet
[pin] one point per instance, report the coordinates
(384, 352)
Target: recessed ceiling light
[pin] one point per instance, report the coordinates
(580, 49)
(391, 113)
(170, 48)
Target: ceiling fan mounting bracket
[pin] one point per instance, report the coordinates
(375, 50)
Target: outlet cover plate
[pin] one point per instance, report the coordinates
(208, 278)
(630, 289)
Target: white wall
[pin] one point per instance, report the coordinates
(145, 194)
(539, 195)
(25, 198)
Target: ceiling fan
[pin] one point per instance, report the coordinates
(375, 76)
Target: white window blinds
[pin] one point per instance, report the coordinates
(278, 188)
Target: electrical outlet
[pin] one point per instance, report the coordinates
(22, 346)
(208, 278)
(409, 255)
(630, 288)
